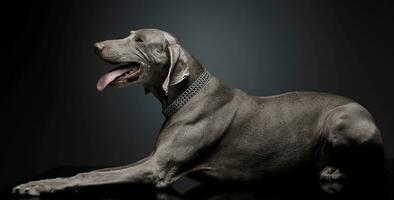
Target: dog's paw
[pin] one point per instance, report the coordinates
(332, 179)
(35, 188)
(332, 174)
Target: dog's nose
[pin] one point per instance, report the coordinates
(98, 47)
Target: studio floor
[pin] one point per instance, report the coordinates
(376, 189)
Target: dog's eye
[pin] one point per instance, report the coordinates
(138, 39)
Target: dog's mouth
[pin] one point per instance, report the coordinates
(120, 76)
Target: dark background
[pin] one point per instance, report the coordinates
(52, 115)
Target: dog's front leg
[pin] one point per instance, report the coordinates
(144, 172)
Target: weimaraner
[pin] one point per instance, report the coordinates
(213, 132)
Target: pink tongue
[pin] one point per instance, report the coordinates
(110, 76)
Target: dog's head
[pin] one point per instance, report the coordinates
(147, 56)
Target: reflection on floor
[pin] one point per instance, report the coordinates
(376, 188)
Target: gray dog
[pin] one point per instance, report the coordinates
(216, 133)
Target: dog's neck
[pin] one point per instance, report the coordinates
(195, 70)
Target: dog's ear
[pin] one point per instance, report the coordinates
(178, 69)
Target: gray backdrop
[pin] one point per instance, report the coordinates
(52, 114)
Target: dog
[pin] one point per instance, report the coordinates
(213, 132)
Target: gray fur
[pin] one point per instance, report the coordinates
(224, 134)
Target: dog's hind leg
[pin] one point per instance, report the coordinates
(356, 144)
(356, 147)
